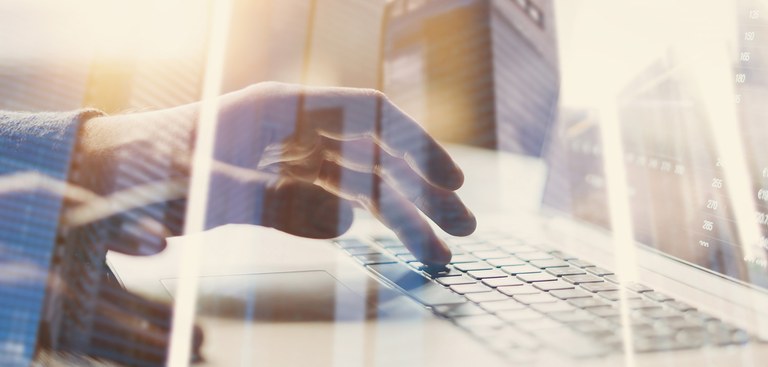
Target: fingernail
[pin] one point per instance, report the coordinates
(467, 225)
(440, 255)
(457, 179)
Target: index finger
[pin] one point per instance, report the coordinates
(345, 113)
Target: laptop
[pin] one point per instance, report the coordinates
(636, 239)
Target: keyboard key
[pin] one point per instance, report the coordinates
(570, 293)
(388, 242)
(520, 269)
(549, 263)
(544, 246)
(588, 302)
(593, 327)
(599, 287)
(554, 285)
(502, 282)
(634, 319)
(476, 247)
(569, 270)
(698, 315)
(580, 263)
(471, 322)
(657, 296)
(415, 285)
(506, 261)
(457, 251)
(519, 249)
(536, 277)
(398, 250)
(730, 337)
(534, 298)
(692, 336)
(503, 240)
(598, 271)
(459, 241)
(549, 307)
(659, 313)
(440, 272)
(657, 344)
(605, 311)
(518, 290)
(680, 323)
(561, 255)
(470, 288)
(579, 279)
(679, 306)
(372, 259)
(537, 324)
(615, 296)
(507, 305)
(465, 309)
(458, 259)
(351, 243)
(538, 255)
(486, 274)
(496, 254)
(407, 258)
(355, 251)
(448, 281)
(482, 265)
(637, 287)
(639, 304)
(486, 297)
(574, 344)
(643, 329)
(570, 316)
(612, 278)
(519, 315)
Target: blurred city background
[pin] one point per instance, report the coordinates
(530, 77)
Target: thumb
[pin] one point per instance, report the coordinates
(305, 209)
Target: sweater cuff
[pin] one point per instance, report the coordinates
(35, 156)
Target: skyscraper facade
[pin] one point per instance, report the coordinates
(476, 72)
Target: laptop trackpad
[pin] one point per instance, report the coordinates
(302, 296)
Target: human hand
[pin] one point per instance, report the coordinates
(297, 159)
(306, 154)
(106, 322)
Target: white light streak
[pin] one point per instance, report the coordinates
(202, 163)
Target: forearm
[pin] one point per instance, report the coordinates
(138, 164)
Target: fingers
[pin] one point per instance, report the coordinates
(442, 206)
(305, 209)
(132, 233)
(134, 305)
(419, 149)
(344, 114)
(130, 326)
(132, 330)
(390, 207)
(117, 325)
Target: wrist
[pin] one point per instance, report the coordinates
(138, 164)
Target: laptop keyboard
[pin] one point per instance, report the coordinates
(518, 298)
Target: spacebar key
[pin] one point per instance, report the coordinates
(415, 285)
